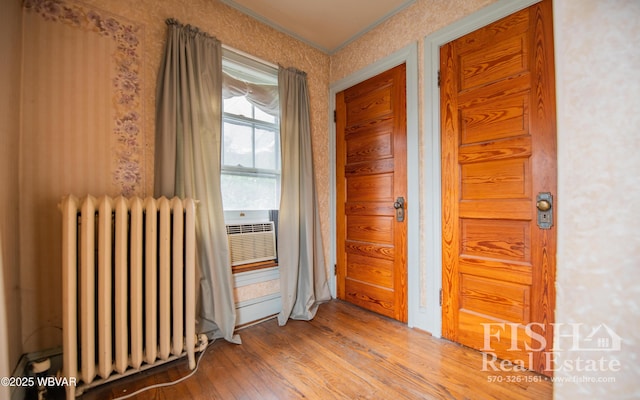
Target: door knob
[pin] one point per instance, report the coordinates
(543, 205)
(399, 206)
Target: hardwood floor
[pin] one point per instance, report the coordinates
(344, 353)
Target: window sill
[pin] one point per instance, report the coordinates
(253, 266)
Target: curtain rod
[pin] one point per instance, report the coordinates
(173, 21)
(252, 57)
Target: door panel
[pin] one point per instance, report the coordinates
(371, 175)
(498, 153)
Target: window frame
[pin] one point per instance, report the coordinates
(246, 68)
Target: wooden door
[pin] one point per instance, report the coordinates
(498, 154)
(371, 176)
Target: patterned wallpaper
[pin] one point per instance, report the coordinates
(128, 168)
(79, 106)
(408, 26)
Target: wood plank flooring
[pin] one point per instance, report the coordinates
(344, 353)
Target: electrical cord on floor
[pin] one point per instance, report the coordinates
(160, 385)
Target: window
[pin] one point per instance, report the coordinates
(250, 170)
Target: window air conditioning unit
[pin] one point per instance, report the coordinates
(250, 243)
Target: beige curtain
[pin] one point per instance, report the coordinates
(188, 135)
(303, 276)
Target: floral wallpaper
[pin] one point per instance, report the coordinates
(127, 90)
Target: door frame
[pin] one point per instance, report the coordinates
(431, 188)
(409, 56)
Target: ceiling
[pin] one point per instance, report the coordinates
(327, 25)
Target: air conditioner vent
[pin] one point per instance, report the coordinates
(249, 243)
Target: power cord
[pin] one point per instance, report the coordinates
(160, 385)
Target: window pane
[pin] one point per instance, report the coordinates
(263, 116)
(266, 149)
(250, 178)
(240, 192)
(238, 105)
(238, 145)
